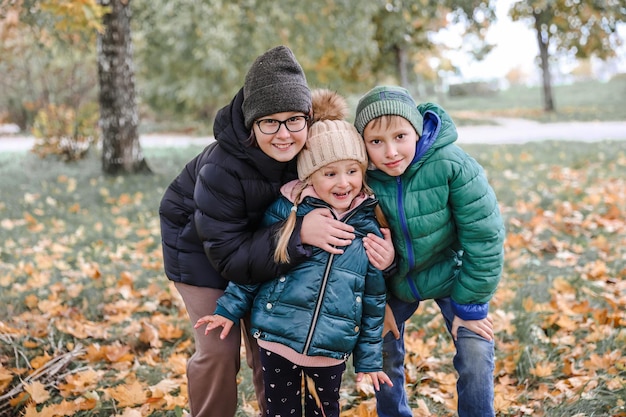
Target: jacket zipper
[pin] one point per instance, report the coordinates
(320, 296)
(407, 239)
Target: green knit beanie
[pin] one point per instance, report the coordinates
(387, 100)
(275, 83)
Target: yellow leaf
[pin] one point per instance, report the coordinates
(312, 390)
(74, 208)
(128, 395)
(596, 270)
(40, 361)
(563, 286)
(6, 377)
(31, 411)
(528, 304)
(165, 386)
(168, 331)
(130, 412)
(118, 353)
(542, 370)
(64, 408)
(177, 363)
(615, 383)
(80, 382)
(19, 399)
(149, 334)
(37, 392)
(422, 409)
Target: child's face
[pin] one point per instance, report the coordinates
(284, 144)
(390, 144)
(338, 183)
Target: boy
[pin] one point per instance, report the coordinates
(448, 234)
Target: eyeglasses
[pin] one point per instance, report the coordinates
(293, 124)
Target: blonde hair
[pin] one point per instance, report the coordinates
(281, 254)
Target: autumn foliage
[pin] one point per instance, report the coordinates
(89, 325)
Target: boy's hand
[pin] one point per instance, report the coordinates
(377, 378)
(321, 229)
(380, 251)
(213, 322)
(482, 327)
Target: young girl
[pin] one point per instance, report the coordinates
(308, 321)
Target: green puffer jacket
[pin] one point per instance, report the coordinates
(445, 222)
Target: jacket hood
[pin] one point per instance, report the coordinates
(230, 132)
(438, 125)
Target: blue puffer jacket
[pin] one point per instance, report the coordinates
(445, 222)
(330, 305)
(211, 212)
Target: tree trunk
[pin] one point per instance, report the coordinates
(548, 101)
(121, 150)
(402, 64)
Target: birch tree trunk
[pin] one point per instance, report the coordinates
(119, 120)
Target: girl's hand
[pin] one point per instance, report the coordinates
(377, 378)
(213, 322)
(321, 229)
(482, 327)
(380, 251)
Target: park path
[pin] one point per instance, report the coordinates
(515, 131)
(523, 131)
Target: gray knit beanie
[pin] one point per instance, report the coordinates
(275, 83)
(387, 100)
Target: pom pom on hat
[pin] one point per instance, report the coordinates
(331, 138)
(387, 100)
(275, 83)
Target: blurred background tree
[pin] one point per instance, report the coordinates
(582, 29)
(190, 57)
(47, 56)
(404, 31)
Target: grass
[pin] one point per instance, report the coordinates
(80, 265)
(582, 101)
(87, 316)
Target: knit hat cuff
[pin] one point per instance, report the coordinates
(330, 141)
(384, 101)
(276, 98)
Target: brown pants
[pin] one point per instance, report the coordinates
(212, 369)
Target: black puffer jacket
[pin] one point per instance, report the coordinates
(210, 214)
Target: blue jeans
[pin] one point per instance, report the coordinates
(474, 362)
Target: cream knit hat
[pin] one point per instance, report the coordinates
(330, 138)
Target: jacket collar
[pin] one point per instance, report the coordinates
(231, 134)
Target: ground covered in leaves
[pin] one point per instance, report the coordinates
(90, 326)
